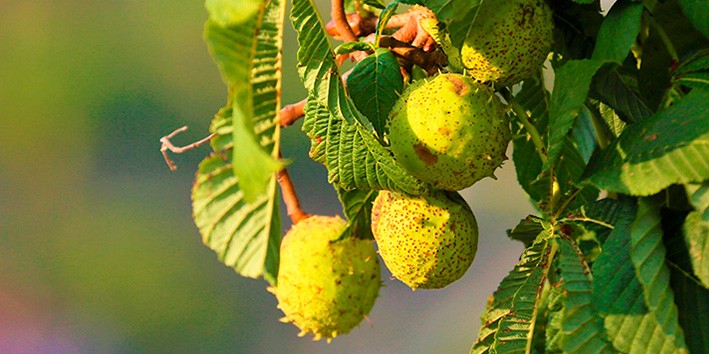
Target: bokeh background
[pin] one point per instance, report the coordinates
(98, 252)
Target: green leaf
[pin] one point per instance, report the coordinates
(384, 17)
(604, 215)
(618, 31)
(375, 84)
(571, 87)
(534, 98)
(696, 229)
(248, 55)
(648, 258)
(246, 236)
(691, 297)
(671, 146)
(698, 12)
(619, 294)
(316, 63)
(527, 230)
(693, 307)
(614, 126)
(581, 325)
(693, 71)
(353, 157)
(509, 317)
(232, 12)
(698, 195)
(555, 314)
(349, 47)
(619, 89)
(357, 205)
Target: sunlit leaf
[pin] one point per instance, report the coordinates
(232, 12)
(671, 146)
(353, 156)
(581, 325)
(508, 319)
(247, 55)
(245, 236)
(316, 63)
(618, 291)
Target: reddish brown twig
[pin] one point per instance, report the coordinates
(292, 112)
(295, 212)
(167, 145)
(429, 61)
(338, 16)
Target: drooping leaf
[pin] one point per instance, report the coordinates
(357, 205)
(246, 236)
(375, 84)
(317, 67)
(353, 156)
(247, 55)
(232, 12)
(571, 87)
(581, 324)
(648, 258)
(508, 319)
(618, 31)
(672, 146)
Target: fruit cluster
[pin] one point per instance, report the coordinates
(450, 130)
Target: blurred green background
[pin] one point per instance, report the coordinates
(98, 252)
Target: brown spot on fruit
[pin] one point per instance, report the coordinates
(425, 154)
(459, 87)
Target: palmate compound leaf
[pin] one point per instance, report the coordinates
(581, 325)
(247, 55)
(245, 236)
(671, 146)
(624, 274)
(353, 156)
(511, 311)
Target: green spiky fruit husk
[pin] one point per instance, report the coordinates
(426, 242)
(326, 286)
(509, 41)
(450, 131)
